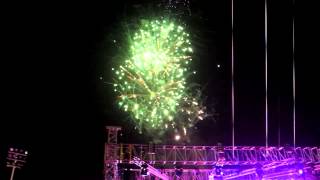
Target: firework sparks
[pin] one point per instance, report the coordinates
(151, 83)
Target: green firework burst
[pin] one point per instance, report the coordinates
(151, 83)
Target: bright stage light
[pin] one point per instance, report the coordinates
(177, 137)
(211, 176)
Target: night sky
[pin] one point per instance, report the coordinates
(55, 105)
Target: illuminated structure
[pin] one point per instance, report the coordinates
(111, 153)
(204, 162)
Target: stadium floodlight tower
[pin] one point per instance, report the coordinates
(16, 159)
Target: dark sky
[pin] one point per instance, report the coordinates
(51, 93)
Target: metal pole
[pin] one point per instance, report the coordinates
(232, 79)
(279, 123)
(266, 69)
(12, 172)
(294, 82)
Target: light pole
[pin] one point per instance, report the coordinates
(16, 159)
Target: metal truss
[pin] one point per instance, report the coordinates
(213, 155)
(111, 155)
(153, 171)
(199, 162)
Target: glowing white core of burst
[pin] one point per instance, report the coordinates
(300, 171)
(211, 177)
(177, 137)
